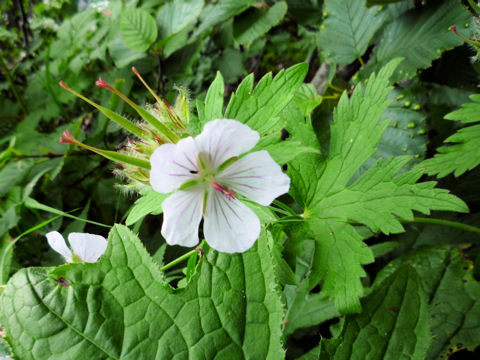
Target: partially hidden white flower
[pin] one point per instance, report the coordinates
(208, 175)
(86, 247)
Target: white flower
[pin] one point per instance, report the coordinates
(208, 175)
(86, 247)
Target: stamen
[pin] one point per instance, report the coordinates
(230, 194)
(146, 85)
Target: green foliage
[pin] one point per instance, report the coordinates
(393, 325)
(259, 108)
(375, 199)
(420, 37)
(122, 307)
(176, 15)
(149, 203)
(138, 29)
(346, 32)
(464, 154)
(452, 297)
(257, 22)
(353, 160)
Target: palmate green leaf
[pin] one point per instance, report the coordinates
(393, 325)
(257, 22)
(453, 296)
(420, 36)
(375, 199)
(138, 29)
(260, 108)
(122, 308)
(464, 154)
(346, 32)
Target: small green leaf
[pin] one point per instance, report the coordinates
(221, 11)
(149, 203)
(214, 100)
(464, 154)
(255, 22)
(346, 32)
(420, 36)
(174, 16)
(138, 29)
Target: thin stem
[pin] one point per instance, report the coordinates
(441, 222)
(336, 96)
(13, 87)
(360, 60)
(49, 155)
(181, 258)
(336, 88)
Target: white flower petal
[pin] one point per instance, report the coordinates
(173, 165)
(182, 212)
(57, 243)
(223, 139)
(88, 247)
(229, 225)
(256, 176)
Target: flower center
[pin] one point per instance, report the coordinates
(230, 194)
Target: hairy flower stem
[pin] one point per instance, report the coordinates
(441, 222)
(182, 258)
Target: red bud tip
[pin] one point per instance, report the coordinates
(67, 137)
(135, 70)
(102, 83)
(453, 28)
(62, 84)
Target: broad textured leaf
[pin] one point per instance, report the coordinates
(138, 29)
(464, 153)
(393, 325)
(256, 22)
(453, 297)
(260, 108)
(420, 37)
(176, 15)
(346, 32)
(307, 309)
(122, 308)
(375, 199)
(149, 203)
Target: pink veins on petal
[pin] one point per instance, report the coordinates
(230, 194)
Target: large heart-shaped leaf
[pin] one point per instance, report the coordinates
(122, 308)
